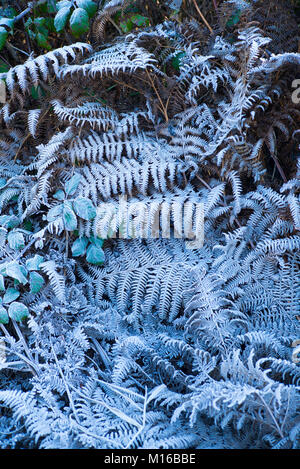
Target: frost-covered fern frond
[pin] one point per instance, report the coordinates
(34, 69)
(149, 236)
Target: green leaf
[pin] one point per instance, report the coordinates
(28, 23)
(40, 21)
(31, 34)
(54, 213)
(59, 195)
(27, 225)
(3, 268)
(61, 18)
(49, 24)
(95, 255)
(18, 311)
(140, 20)
(89, 6)
(69, 217)
(10, 295)
(17, 271)
(72, 184)
(3, 37)
(7, 23)
(176, 60)
(2, 286)
(84, 208)
(36, 282)
(34, 262)
(63, 4)
(98, 242)
(3, 68)
(79, 21)
(41, 40)
(51, 6)
(126, 25)
(16, 240)
(8, 12)
(79, 246)
(234, 19)
(37, 91)
(4, 318)
(9, 221)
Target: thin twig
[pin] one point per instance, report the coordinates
(163, 108)
(202, 17)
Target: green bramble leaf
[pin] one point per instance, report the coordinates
(79, 246)
(98, 242)
(40, 21)
(17, 272)
(89, 6)
(72, 184)
(3, 69)
(7, 23)
(2, 286)
(140, 20)
(9, 221)
(54, 213)
(95, 255)
(69, 217)
(41, 40)
(84, 208)
(235, 18)
(36, 282)
(63, 4)
(61, 18)
(79, 22)
(3, 37)
(18, 311)
(34, 262)
(16, 240)
(59, 195)
(176, 60)
(10, 295)
(4, 318)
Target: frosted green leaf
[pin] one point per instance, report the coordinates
(7, 22)
(3, 37)
(69, 217)
(11, 294)
(59, 195)
(72, 184)
(34, 262)
(79, 21)
(17, 271)
(4, 318)
(16, 240)
(84, 208)
(2, 286)
(63, 4)
(97, 241)
(54, 213)
(89, 6)
(9, 221)
(79, 247)
(61, 18)
(95, 255)
(18, 311)
(36, 282)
